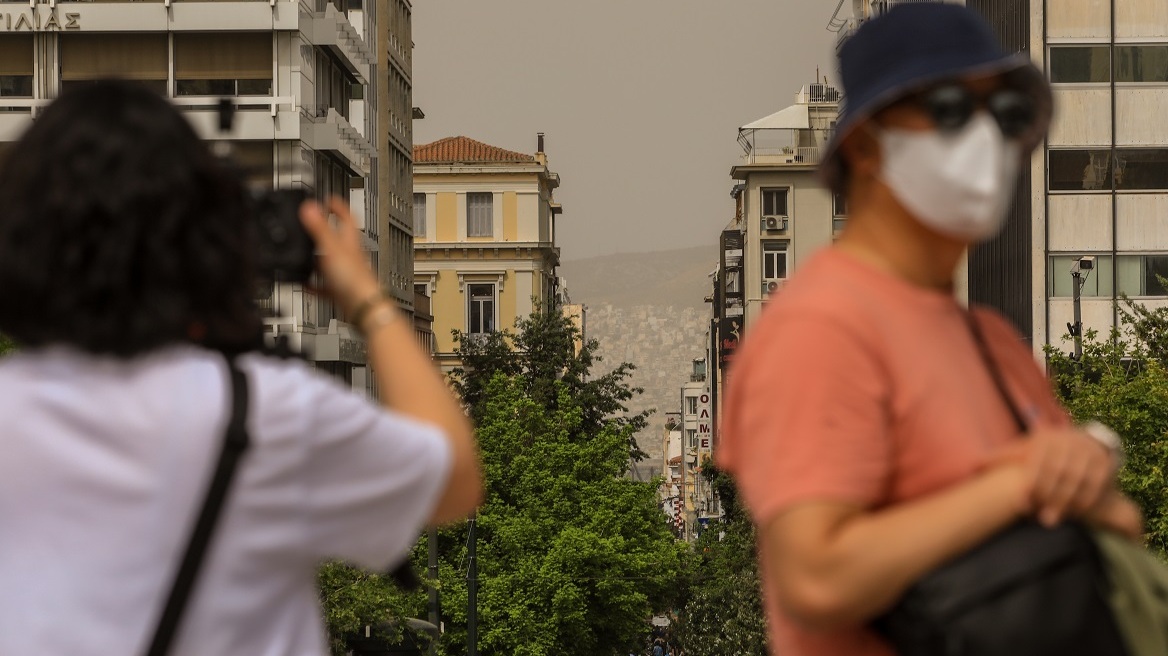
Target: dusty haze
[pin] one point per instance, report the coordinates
(640, 99)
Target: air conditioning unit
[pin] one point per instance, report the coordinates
(774, 223)
(771, 286)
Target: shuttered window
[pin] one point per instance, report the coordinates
(129, 56)
(16, 54)
(223, 56)
(16, 66)
(480, 214)
(223, 63)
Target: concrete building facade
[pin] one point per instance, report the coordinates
(322, 89)
(484, 237)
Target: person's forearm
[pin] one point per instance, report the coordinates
(859, 566)
(409, 383)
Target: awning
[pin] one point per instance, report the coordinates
(792, 118)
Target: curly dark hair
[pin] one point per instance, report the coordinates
(120, 232)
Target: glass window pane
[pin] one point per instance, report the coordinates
(1130, 270)
(15, 86)
(774, 202)
(1155, 273)
(1077, 170)
(204, 87)
(1141, 168)
(1080, 64)
(1060, 281)
(1141, 63)
(260, 87)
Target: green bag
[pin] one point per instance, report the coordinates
(1138, 595)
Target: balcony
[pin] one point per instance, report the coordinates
(795, 156)
(330, 131)
(331, 29)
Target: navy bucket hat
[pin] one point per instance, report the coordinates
(912, 47)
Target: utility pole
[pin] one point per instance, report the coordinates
(1079, 273)
(472, 592)
(432, 557)
(1076, 286)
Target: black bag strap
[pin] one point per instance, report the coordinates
(995, 373)
(235, 443)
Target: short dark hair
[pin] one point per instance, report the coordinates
(120, 232)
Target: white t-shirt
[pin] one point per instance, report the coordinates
(104, 463)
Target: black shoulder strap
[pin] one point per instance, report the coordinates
(995, 372)
(235, 443)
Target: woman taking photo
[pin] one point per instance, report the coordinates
(126, 275)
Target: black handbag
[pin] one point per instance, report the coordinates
(1027, 591)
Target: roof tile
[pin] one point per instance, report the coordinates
(460, 150)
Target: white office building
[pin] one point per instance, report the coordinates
(323, 95)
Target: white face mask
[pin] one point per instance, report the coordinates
(958, 183)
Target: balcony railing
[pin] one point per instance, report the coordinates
(799, 156)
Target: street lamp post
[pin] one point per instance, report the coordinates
(1079, 273)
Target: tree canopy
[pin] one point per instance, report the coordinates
(1122, 381)
(573, 557)
(723, 611)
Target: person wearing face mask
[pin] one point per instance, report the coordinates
(875, 427)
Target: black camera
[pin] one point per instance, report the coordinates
(284, 250)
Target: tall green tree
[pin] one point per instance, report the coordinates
(546, 353)
(723, 613)
(1122, 381)
(573, 556)
(6, 345)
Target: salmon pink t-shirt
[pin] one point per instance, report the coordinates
(857, 386)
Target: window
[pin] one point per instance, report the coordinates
(774, 260)
(774, 202)
(480, 214)
(1140, 275)
(1141, 63)
(223, 64)
(839, 204)
(1141, 168)
(419, 215)
(1060, 282)
(85, 58)
(258, 161)
(691, 437)
(1080, 64)
(481, 308)
(691, 405)
(16, 66)
(1077, 170)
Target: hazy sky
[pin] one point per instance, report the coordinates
(640, 100)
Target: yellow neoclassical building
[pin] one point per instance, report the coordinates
(484, 236)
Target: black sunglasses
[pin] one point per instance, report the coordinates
(952, 105)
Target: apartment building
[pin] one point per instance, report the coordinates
(784, 213)
(1098, 188)
(484, 236)
(322, 89)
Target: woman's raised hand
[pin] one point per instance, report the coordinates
(343, 262)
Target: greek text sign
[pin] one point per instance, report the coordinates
(39, 20)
